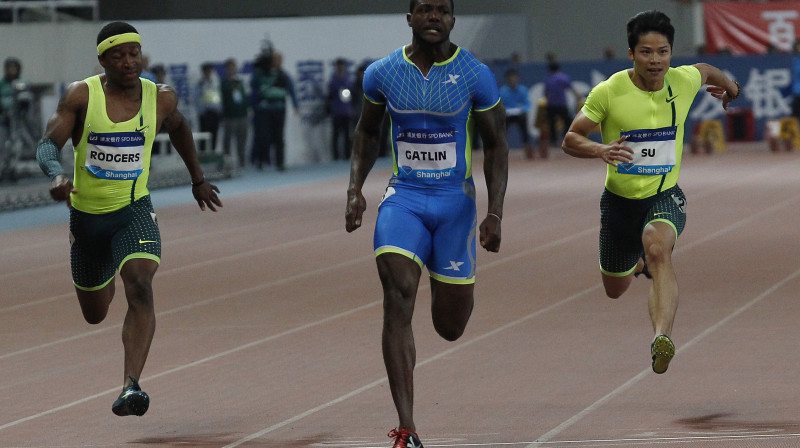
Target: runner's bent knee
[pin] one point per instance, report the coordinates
(451, 308)
(95, 304)
(616, 286)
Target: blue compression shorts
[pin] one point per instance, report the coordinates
(435, 228)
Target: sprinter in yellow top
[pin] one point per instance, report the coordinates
(642, 114)
(112, 120)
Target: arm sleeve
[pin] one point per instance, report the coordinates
(48, 156)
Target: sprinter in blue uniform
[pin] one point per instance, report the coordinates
(436, 93)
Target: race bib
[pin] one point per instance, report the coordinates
(115, 155)
(653, 151)
(429, 153)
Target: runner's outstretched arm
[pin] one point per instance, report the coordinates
(364, 154)
(492, 127)
(180, 135)
(720, 86)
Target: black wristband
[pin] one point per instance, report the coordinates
(738, 91)
(201, 182)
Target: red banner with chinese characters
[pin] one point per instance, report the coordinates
(751, 27)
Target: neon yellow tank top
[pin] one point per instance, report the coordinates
(112, 160)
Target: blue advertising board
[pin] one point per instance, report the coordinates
(766, 81)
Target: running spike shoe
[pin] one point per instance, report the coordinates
(662, 350)
(404, 438)
(132, 401)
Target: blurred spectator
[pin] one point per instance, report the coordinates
(358, 103)
(358, 93)
(517, 105)
(701, 50)
(339, 106)
(556, 86)
(234, 112)
(796, 79)
(269, 86)
(159, 77)
(159, 74)
(209, 102)
(146, 72)
(543, 126)
(772, 49)
(13, 101)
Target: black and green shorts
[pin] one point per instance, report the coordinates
(101, 244)
(623, 220)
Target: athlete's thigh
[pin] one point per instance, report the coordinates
(620, 243)
(91, 259)
(95, 302)
(454, 248)
(451, 299)
(451, 307)
(670, 209)
(399, 275)
(400, 226)
(139, 236)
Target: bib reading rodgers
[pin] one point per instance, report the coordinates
(653, 151)
(427, 154)
(115, 155)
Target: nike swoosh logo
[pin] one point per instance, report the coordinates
(669, 100)
(662, 213)
(145, 241)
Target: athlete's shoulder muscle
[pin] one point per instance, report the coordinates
(374, 78)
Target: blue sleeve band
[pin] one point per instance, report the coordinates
(48, 156)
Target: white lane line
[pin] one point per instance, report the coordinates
(251, 290)
(38, 302)
(548, 436)
(429, 360)
(587, 442)
(251, 344)
(373, 384)
(565, 443)
(194, 363)
(166, 272)
(630, 382)
(488, 265)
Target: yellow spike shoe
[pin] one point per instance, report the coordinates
(662, 350)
